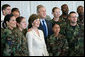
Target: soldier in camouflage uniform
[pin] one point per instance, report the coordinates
(22, 40)
(13, 42)
(64, 16)
(56, 14)
(80, 11)
(8, 41)
(57, 44)
(57, 20)
(72, 35)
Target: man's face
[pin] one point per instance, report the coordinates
(73, 17)
(65, 9)
(7, 10)
(80, 11)
(42, 12)
(56, 13)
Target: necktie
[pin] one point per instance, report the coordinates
(44, 28)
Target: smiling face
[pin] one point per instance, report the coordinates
(56, 13)
(12, 22)
(56, 28)
(42, 12)
(73, 17)
(36, 23)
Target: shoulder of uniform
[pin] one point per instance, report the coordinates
(2, 29)
(52, 36)
(8, 31)
(61, 36)
(15, 30)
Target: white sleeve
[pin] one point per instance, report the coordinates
(29, 41)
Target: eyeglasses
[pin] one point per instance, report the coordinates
(74, 17)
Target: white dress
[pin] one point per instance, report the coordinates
(36, 44)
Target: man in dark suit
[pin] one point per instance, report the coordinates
(45, 25)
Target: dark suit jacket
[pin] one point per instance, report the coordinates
(49, 26)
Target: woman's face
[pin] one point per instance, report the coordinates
(23, 24)
(56, 13)
(36, 23)
(56, 28)
(12, 22)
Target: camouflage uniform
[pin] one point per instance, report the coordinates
(8, 43)
(81, 36)
(2, 31)
(74, 41)
(65, 20)
(57, 46)
(12, 44)
(22, 43)
(80, 21)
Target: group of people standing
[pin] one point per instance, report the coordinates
(61, 36)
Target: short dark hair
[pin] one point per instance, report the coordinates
(31, 19)
(71, 13)
(5, 6)
(15, 9)
(7, 18)
(55, 23)
(54, 9)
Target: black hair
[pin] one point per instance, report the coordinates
(71, 13)
(5, 6)
(55, 23)
(7, 18)
(15, 9)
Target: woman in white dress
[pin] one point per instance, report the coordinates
(36, 42)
